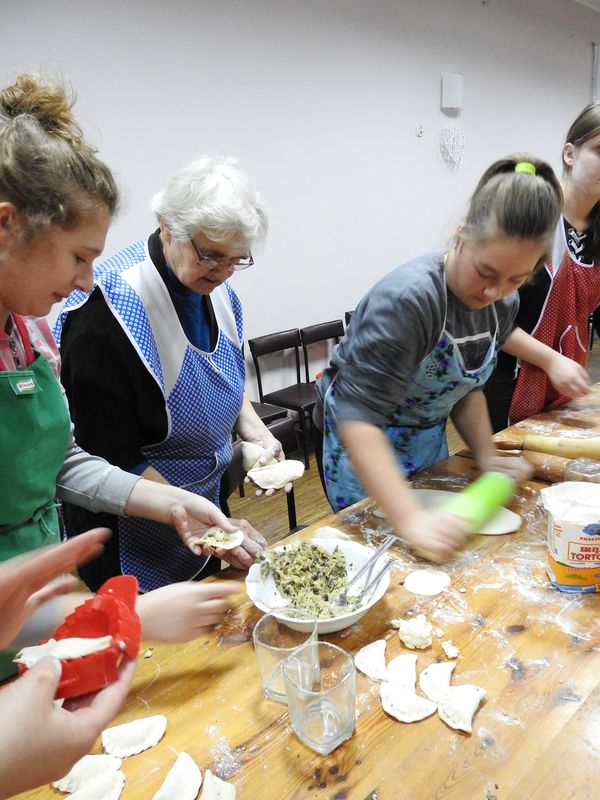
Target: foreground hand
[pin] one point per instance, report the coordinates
(181, 612)
(568, 377)
(41, 741)
(193, 516)
(436, 535)
(23, 579)
(244, 556)
(516, 467)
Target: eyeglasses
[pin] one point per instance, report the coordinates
(234, 264)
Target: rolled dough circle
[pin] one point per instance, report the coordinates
(427, 582)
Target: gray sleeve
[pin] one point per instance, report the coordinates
(394, 327)
(92, 483)
(507, 310)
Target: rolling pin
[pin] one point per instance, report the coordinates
(553, 445)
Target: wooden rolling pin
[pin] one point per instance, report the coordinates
(553, 445)
(547, 468)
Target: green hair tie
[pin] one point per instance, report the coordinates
(525, 166)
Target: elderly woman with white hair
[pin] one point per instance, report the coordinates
(153, 365)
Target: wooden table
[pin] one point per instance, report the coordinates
(534, 650)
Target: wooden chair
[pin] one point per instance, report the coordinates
(233, 477)
(300, 396)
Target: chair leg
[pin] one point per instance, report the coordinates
(304, 439)
(291, 508)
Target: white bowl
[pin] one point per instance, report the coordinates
(265, 595)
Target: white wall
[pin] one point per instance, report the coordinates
(319, 100)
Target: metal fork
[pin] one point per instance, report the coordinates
(342, 598)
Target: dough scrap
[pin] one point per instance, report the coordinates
(104, 787)
(434, 681)
(64, 649)
(402, 671)
(404, 704)
(371, 660)
(133, 737)
(415, 633)
(503, 521)
(182, 782)
(427, 582)
(219, 539)
(216, 789)
(451, 650)
(458, 706)
(275, 476)
(88, 768)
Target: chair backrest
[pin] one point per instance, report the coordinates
(274, 343)
(348, 317)
(233, 476)
(322, 332)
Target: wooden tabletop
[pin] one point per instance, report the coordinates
(534, 650)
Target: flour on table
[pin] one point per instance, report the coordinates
(133, 737)
(104, 787)
(216, 789)
(404, 704)
(434, 681)
(182, 782)
(457, 708)
(371, 660)
(415, 632)
(402, 671)
(63, 649)
(450, 649)
(87, 769)
(427, 582)
(275, 476)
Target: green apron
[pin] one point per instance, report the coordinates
(34, 431)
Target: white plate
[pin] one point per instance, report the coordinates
(265, 595)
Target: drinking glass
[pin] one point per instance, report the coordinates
(274, 640)
(320, 681)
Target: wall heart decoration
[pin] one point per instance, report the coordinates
(452, 146)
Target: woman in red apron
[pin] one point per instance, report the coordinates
(56, 201)
(557, 303)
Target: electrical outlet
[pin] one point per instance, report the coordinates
(418, 130)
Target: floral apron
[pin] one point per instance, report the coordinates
(417, 428)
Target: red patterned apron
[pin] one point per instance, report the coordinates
(573, 295)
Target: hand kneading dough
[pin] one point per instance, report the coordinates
(427, 582)
(133, 737)
(275, 476)
(371, 660)
(216, 789)
(434, 681)
(104, 787)
(404, 704)
(402, 671)
(457, 708)
(182, 782)
(87, 769)
(415, 632)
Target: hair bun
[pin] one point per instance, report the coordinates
(49, 103)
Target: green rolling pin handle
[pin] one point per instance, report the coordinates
(481, 500)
